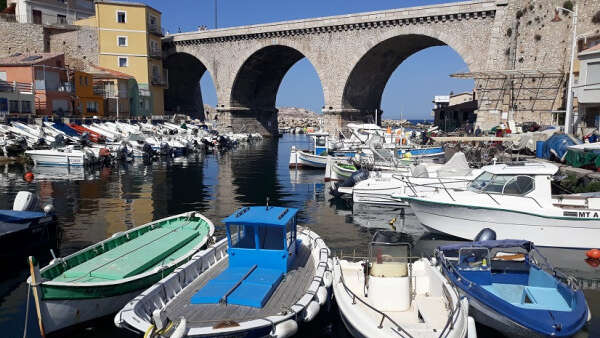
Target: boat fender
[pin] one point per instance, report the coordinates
(330, 264)
(471, 329)
(593, 253)
(285, 329)
(310, 311)
(160, 319)
(321, 295)
(48, 209)
(181, 329)
(327, 279)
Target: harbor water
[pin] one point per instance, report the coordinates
(92, 204)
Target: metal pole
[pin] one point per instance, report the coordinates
(568, 124)
(216, 22)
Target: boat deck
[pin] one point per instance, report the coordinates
(291, 288)
(160, 246)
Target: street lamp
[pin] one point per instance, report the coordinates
(569, 109)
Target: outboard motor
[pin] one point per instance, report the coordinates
(164, 148)
(486, 234)
(356, 177)
(26, 201)
(59, 141)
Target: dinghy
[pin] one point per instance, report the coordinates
(388, 295)
(100, 279)
(509, 291)
(264, 279)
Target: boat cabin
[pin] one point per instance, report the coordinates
(261, 247)
(520, 178)
(388, 270)
(320, 143)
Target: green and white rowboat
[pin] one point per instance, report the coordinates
(100, 279)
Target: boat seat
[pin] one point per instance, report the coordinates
(254, 291)
(134, 256)
(389, 269)
(530, 297)
(512, 293)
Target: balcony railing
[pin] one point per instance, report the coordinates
(15, 87)
(155, 29)
(155, 52)
(157, 81)
(5, 17)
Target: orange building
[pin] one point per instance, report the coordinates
(48, 77)
(88, 103)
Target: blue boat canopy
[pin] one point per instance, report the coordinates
(502, 243)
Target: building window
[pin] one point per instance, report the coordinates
(92, 107)
(123, 61)
(26, 107)
(81, 80)
(2, 76)
(152, 20)
(121, 16)
(593, 74)
(13, 106)
(122, 41)
(61, 19)
(86, 80)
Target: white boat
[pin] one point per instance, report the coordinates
(317, 158)
(580, 148)
(516, 201)
(69, 156)
(388, 295)
(262, 286)
(379, 187)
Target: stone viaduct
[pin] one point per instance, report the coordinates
(353, 55)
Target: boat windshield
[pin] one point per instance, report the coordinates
(503, 184)
(388, 256)
(320, 141)
(474, 259)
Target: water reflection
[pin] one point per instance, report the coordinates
(92, 204)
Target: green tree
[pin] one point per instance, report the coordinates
(2, 4)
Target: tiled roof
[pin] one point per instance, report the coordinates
(27, 60)
(107, 73)
(591, 50)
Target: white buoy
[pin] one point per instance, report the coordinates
(285, 329)
(327, 279)
(181, 329)
(311, 311)
(321, 295)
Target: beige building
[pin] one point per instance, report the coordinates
(129, 41)
(50, 12)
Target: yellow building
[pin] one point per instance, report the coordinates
(88, 103)
(129, 36)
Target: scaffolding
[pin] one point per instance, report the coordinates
(517, 90)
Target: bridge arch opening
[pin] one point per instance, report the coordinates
(364, 88)
(185, 94)
(258, 80)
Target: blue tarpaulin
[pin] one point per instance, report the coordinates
(557, 146)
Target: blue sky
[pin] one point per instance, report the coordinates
(427, 70)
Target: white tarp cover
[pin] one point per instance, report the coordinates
(456, 166)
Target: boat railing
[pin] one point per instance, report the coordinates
(569, 279)
(441, 184)
(384, 316)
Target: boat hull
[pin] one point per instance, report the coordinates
(466, 222)
(61, 314)
(302, 159)
(58, 159)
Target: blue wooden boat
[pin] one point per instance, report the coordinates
(511, 291)
(264, 279)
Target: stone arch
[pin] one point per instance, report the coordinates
(258, 78)
(184, 94)
(366, 82)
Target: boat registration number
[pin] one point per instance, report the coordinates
(582, 214)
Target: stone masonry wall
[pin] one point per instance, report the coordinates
(21, 38)
(526, 38)
(80, 46)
